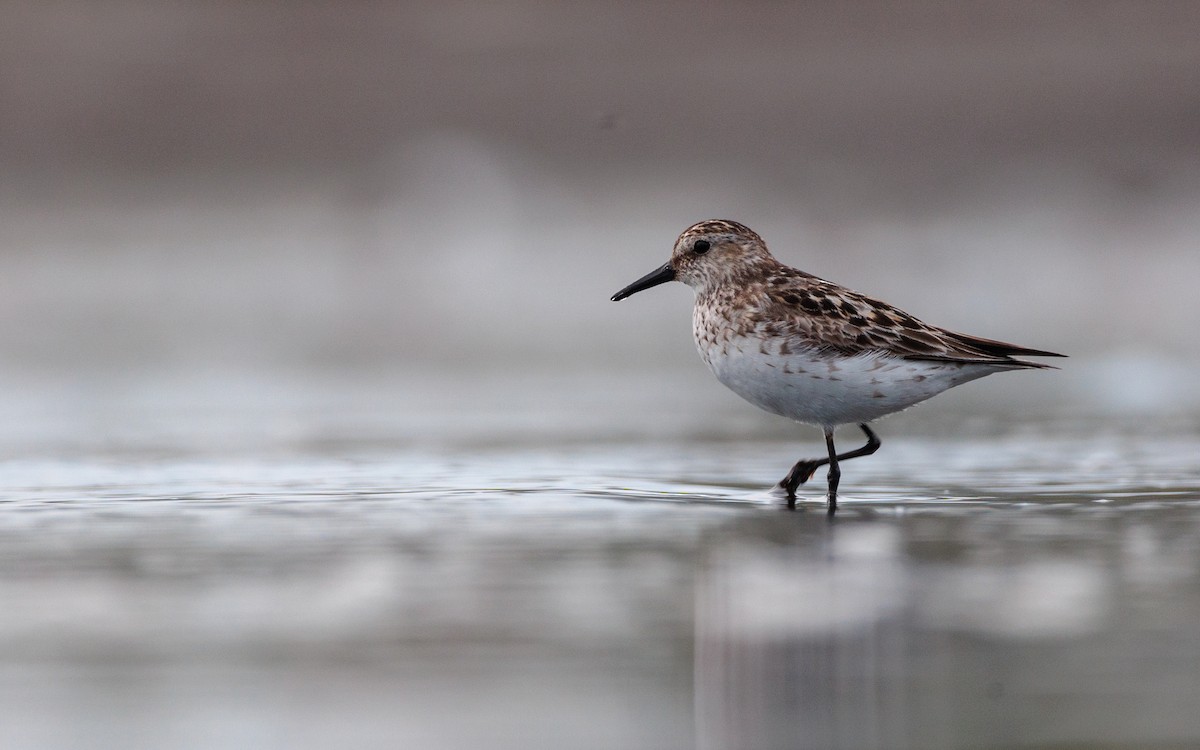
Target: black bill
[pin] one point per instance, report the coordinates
(654, 278)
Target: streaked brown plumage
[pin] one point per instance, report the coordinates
(780, 301)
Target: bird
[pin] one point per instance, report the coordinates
(810, 350)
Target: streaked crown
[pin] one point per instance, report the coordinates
(718, 251)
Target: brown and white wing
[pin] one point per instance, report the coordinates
(824, 315)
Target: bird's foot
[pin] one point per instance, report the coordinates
(800, 473)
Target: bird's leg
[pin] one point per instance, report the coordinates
(806, 467)
(835, 472)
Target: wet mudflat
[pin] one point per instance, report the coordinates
(1027, 588)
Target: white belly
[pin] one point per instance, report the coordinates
(828, 389)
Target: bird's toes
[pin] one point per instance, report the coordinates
(800, 473)
(804, 471)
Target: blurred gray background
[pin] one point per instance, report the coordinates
(271, 190)
(318, 427)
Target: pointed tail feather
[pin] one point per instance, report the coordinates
(998, 362)
(1002, 349)
(980, 351)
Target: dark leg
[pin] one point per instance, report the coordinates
(835, 473)
(806, 467)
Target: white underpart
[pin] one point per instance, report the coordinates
(829, 389)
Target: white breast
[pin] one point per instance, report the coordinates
(817, 387)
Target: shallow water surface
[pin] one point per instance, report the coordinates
(1031, 588)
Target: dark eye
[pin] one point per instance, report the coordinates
(701, 247)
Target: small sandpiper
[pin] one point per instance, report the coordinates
(810, 350)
